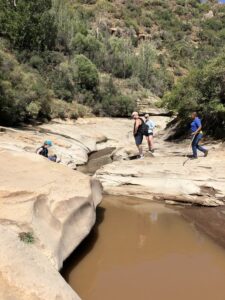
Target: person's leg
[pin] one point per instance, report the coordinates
(138, 141)
(151, 142)
(200, 148)
(194, 147)
(140, 150)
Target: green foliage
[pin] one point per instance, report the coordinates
(119, 58)
(62, 79)
(203, 90)
(23, 93)
(27, 237)
(87, 45)
(62, 109)
(149, 74)
(54, 51)
(117, 105)
(86, 73)
(28, 24)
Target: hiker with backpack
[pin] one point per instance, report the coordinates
(149, 137)
(140, 129)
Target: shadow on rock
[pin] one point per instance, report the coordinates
(85, 247)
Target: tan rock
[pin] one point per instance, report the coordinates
(57, 205)
(165, 178)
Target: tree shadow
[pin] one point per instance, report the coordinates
(85, 247)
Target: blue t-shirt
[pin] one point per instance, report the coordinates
(195, 124)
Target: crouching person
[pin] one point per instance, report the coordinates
(43, 150)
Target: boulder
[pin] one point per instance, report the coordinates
(56, 206)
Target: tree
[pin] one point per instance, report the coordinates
(28, 24)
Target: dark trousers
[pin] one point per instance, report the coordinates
(196, 146)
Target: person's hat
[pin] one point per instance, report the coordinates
(48, 142)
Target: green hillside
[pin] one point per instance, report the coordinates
(71, 58)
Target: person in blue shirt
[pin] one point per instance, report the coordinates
(196, 131)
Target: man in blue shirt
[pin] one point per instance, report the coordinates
(196, 131)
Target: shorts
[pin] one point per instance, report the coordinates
(138, 139)
(150, 133)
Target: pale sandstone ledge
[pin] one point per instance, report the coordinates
(165, 178)
(58, 205)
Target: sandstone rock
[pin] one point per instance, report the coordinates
(164, 178)
(57, 205)
(148, 105)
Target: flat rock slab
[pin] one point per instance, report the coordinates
(200, 182)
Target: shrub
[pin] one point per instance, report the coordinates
(23, 94)
(203, 90)
(86, 73)
(27, 237)
(87, 45)
(118, 105)
(28, 25)
(119, 58)
(150, 75)
(62, 80)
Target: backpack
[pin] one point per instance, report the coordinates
(144, 128)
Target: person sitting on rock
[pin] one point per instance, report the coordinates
(43, 150)
(149, 138)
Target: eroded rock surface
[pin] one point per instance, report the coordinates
(169, 176)
(54, 203)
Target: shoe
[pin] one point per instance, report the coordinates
(193, 157)
(151, 151)
(206, 153)
(141, 157)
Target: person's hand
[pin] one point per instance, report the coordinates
(193, 133)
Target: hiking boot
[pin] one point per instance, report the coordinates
(206, 153)
(193, 157)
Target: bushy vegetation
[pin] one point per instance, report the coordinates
(203, 90)
(53, 54)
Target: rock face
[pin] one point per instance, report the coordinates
(54, 203)
(169, 176)
(148, 105)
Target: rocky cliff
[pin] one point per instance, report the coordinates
(53, 203)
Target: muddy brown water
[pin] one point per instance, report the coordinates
(140, 251)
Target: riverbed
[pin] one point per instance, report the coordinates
(140, 250)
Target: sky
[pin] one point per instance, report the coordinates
(222, 1)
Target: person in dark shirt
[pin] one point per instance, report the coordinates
(196, 131)
(138, 135)
(43, 150)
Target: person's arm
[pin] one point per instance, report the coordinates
(136, 126)
(39, 150)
